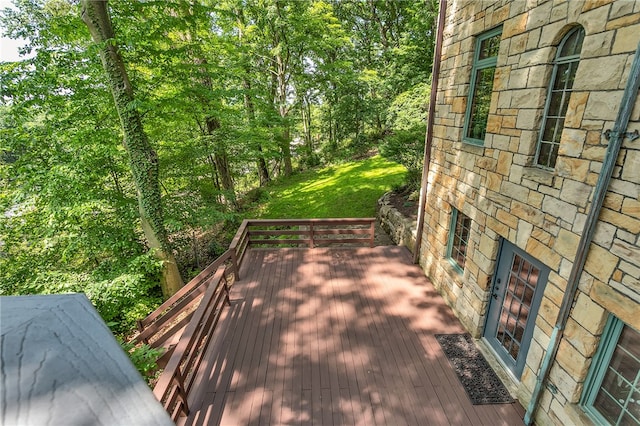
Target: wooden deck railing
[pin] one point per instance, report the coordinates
(302, 232)
(185, 323)
(163, 327)
(178, 377)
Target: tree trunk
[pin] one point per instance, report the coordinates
(263, 171)
(142, 158)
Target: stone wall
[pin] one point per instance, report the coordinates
(401, 229)
(540, 211)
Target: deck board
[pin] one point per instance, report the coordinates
(335, 337)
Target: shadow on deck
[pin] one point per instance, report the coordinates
(334, 336)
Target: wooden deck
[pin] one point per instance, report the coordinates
(335, 336)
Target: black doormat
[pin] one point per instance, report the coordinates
(481, 383)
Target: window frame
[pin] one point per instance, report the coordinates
(599, 366)
(557, 62)
(452, 231)
(478, 64)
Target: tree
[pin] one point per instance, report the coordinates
(142, 158)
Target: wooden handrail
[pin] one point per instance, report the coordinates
(161, 325)
(175, 382)
(316, 234)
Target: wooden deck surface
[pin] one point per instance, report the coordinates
(335, 336)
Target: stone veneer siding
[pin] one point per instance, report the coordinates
(542, 212)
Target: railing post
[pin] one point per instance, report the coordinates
(372, 238)
(140, 327)
(311, 236)
(234, 260)
(183, 395)
(226, 287)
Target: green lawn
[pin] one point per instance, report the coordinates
(346, 190)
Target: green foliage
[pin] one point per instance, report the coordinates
(405, 142)
(144, 358)
(347, 190)
(203, 75)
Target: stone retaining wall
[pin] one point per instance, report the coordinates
(401, 229)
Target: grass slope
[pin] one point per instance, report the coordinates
(346, 190)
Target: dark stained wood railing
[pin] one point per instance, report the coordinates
(303, 233)
(163, 327)
(178, 377)
(185, 323)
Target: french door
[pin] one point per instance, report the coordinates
(518, 286)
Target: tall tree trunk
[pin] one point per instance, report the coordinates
(142, 158)
(263, 170)
(282, 79)
(221, 161)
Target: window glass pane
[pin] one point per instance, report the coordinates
(573, 43)
(618, 393)
(489, 47)
(481, 103)
(563, 77)
(460, 238)
(559, 95)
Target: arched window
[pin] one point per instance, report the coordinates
(564, 72)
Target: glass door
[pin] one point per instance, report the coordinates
(515, 297)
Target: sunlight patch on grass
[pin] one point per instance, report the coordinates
(348, 190)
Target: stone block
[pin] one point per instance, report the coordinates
(604, 234)
(617, 303)
(507, 218)
(625, 34)
(604, 73)
(541, 235)
(535, 57)
(601, 105)
(575, 109)
(505, 159)
(589, 314)
(596, 45)
(620, 9)
(621, 220)
(572, 142)
(539, 16)
(573, 168)
(527, 118)
(498, 227)
(631, 207)
(516, 25)
(543, 253)
(550, 32)
(498, 198)
(558, 208)
(572, 361)
(576, 193)
(515, 191)
(628, 252)
(600, 263)
(527, 212)
(584, 342)
(594, 153)
(518, 78)
(623, 187)
(629, 286)
(594, 20)
(631, 168)
(566, 244)
(548, 311)
(494, 181)
(523, 233)
(554, 294)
